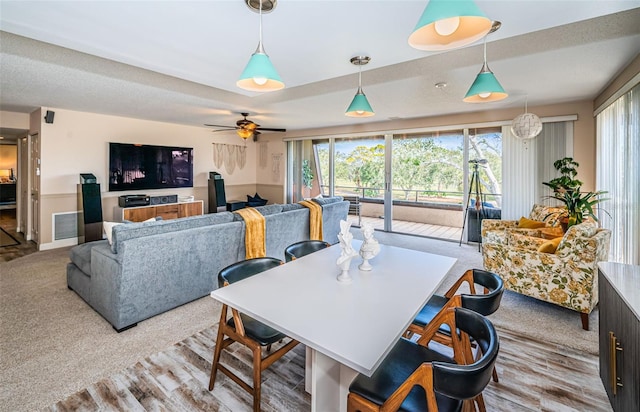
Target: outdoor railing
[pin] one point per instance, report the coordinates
(418, 197)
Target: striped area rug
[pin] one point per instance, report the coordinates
(534, 376)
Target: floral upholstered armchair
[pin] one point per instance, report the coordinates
(567, 277)
(495, 231)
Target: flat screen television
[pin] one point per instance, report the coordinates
(139, 167)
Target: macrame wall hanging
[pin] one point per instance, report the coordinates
(229, 155)
(263, 155)
(275, 166)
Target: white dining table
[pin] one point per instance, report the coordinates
(347, 328)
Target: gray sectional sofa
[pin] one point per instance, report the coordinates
(153, 267)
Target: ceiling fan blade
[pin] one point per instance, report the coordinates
(222, 130)
(269, 129)
(219, 125)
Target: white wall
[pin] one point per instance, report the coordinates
(78, 142)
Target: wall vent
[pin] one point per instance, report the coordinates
(65, 225)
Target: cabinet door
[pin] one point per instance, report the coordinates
(139, 214)
(619, 366)
(190, 209)
(167, 212)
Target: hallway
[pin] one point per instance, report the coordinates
(9, 238)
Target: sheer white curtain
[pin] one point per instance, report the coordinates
(618, 172)
(528, 163)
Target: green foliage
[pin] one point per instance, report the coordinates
(568, 169)
(307, 174)
(566, 189)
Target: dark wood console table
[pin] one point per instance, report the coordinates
(619, 292)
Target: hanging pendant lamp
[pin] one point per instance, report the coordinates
(447, 24)
(259, 75)
(526, 125)
(360, 106)
(486, 87)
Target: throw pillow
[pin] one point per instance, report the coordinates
(525, 223)
(550, 246)
(108, 229)
(256, 200)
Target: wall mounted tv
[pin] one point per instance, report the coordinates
(138, 167)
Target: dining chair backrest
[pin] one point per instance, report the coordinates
(488, 303)
(467, 381)
(246, 268)
(303, 248)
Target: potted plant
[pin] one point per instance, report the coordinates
(566, 188)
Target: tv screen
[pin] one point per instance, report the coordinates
(136, 167)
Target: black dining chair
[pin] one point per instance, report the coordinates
(303, 248)
(246, 330)
(446, 383)
(485, 303)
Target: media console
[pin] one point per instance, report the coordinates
(166, 211)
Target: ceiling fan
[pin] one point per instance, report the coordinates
(245, 128)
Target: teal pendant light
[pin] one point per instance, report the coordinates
(360, 106)
(259, 75)
(486, 88)
(447, 24)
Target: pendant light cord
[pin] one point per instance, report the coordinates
(360, 76)
(261, 22)
(485, 47)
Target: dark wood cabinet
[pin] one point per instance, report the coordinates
(619, 292)
(167, 211)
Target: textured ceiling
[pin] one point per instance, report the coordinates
(178, 61)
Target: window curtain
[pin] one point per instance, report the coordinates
(618, 172)
(528, 163)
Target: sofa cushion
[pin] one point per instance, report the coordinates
(291, 206)
(80, 255)
(136, 230)
(328, 200)
(269, 209)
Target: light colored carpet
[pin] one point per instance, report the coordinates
(519, 313)
(53, 344)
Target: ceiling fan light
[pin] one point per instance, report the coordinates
(259, 75)
(526, 126)
(359, 106)
(446, 25)
(485, 88)
(244, 133)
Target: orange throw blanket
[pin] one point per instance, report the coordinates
(255, 232)
(315, 219)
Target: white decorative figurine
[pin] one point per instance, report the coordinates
(370, 247)
(348, 252)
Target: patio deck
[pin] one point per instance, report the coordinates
(413, 228)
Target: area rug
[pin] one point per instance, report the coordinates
(6, 239)
(177, 378)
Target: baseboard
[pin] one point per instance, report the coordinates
(58, 244)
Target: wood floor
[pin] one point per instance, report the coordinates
(533, 377)
(25, 247)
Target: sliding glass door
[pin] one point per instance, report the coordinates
(409, 183)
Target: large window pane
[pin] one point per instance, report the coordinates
(427, 167)
(359, 167)
(485, 151)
